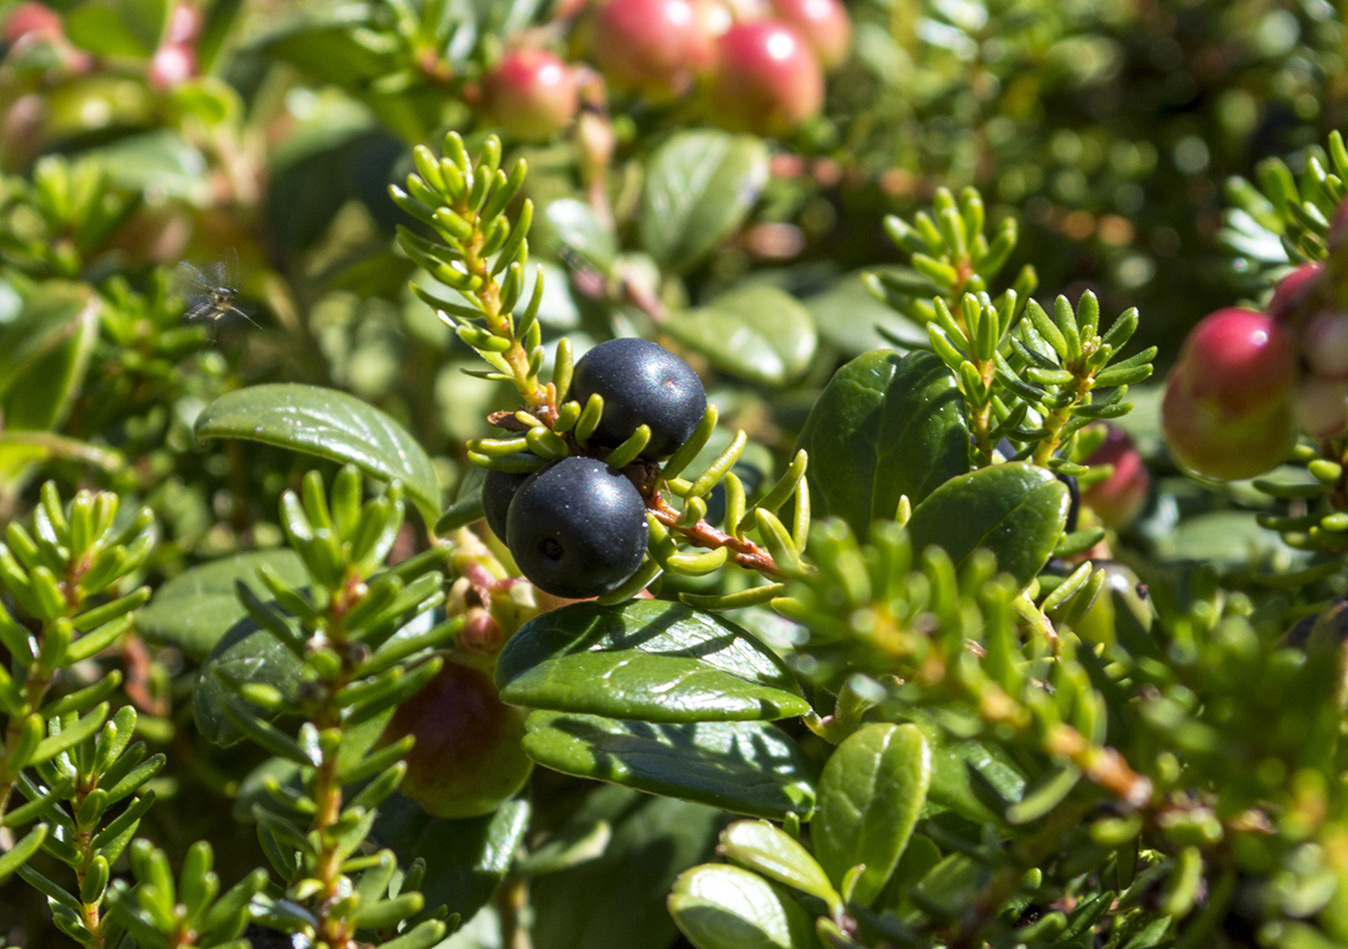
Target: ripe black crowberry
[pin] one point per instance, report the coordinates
(641, 383)
(498, 490)
(577, 528)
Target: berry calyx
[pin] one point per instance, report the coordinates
(652, 47)
(467, 758)
(824, 24)
(767, 80)
(577, 528)
(530, 94)
(642, 383)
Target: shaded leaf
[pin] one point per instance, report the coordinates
(722, 907)
(197, 607)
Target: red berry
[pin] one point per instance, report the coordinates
(653, 47)
(1240, 362)
(1295, 290)
(172, 64)
(1214, 443)
(184, 24)
(530, 94)
(1120, 497)
(767, 80)
(467, 758)
(34, 20)
(824, 24)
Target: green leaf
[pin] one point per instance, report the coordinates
(465, 859)
(885, 426)
(246, 653)
(44, 355)
(1016, 510)
(870, 795)
(330, 424)
(648, 660)
(745, 767)
(700, 186)
(196, 608)
(722, 907)
(161, 159)
(118, 27)
(574, 225)
(618, 899)
(18, 855)
(758, 333)
(849, 316)
(767, 849)
(971, 777)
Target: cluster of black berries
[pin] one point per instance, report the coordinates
(577, 528)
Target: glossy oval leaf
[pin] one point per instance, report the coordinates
(44, 355)
(700, 186)
(749, 768)
(758, 333)
(1016, 510)
(198, 606)
(972, 777)
(722, 907)
(118, 27)
(870, 795)
(885, 426)
(766, 849)
(647, 660)
(330, 424)
(575, 226)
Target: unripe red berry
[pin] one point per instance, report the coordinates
(653, 47)
(1294, 291)
(767, 80)
(1239, 362)
(1219, 445)
(530, 94)
(824, 24)
(467, 758)
(172, 64)
(35, 21)
(1120, 497)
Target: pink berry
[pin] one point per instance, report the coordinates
(172, 64)
(1240, 362)
(1324, 340)
(1321, 408)
(767, 80)
(1120, 497)
(184, 24)
(35, 21)
(1212, 442)
(530, 94)
(1294, 291)
(653, 47)
(824, 24)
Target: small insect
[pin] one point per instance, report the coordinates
(210, 291)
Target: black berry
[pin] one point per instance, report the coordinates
(641, 383)
(498, 490)
(577, 528)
